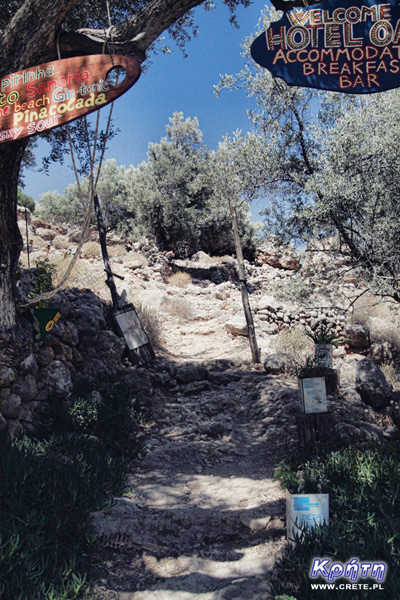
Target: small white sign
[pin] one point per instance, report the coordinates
(305, 511)
(312, 394)
(323, 355)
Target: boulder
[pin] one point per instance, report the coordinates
(236, 325)
(28, 365)
(88, 321)
(190, 373)
(357, 335)
(45, 234)
(57, 378)
(7, 376)
(278, 255)
(25, 388)
(10, 407)
(134, 264)
(110, 347)
(61, 303)
(381, 352)
(269, 303)
(201, 257)
(371, 384)
(276, 363)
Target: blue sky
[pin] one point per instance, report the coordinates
(174, 83)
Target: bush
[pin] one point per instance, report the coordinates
(364, 488)
(26, 201)
(179, 307)
(152, 323)
(91, 250)
(296, 344)
(180, 279)
(48, 489)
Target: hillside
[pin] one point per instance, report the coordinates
(201, 513)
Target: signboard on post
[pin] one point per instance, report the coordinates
(337, 45)
(49, 95)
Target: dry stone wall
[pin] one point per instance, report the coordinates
(80, 345)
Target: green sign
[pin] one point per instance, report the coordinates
(43, 320)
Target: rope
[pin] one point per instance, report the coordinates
(88, 203)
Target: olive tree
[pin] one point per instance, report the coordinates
(29, 33)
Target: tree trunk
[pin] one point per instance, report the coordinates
(255, 353)
(10, 237)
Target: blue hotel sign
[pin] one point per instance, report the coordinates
(336, 46)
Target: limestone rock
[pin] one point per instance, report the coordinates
(277, 255)
(10, 407)
(358, 335)
(236, 325)
(371, 384)
(134, 264)
(201, 257)
(7, 376)
(25, 388)
(46, 234)
(381, 352)
(269, 303)
(276, 363)
(28, 365)
(57, 377)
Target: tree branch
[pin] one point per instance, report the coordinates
(30, 36)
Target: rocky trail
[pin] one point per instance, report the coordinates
(201, 517)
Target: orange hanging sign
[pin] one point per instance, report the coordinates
(49, 95)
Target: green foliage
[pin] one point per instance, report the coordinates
(307, 369)
(288, 479)
(364, 492)
(48, 489)
(62, 208)
(43, 279)
(179, 197)
(330, 168)
(25, 200)
(324, 335)
(296, 289)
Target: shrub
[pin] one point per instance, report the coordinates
(180, 279)
(138, 256)
(48, 489)
(61, 243)
(116, 250)
(91, 250)
(152, 323)
(25, 200)
(296, 344)
(180, 308)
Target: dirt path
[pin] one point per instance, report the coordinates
(202, 516)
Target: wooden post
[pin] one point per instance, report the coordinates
(102, 235)
(144, 353)
(243, 281)
(27, 238)
(315, 427)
